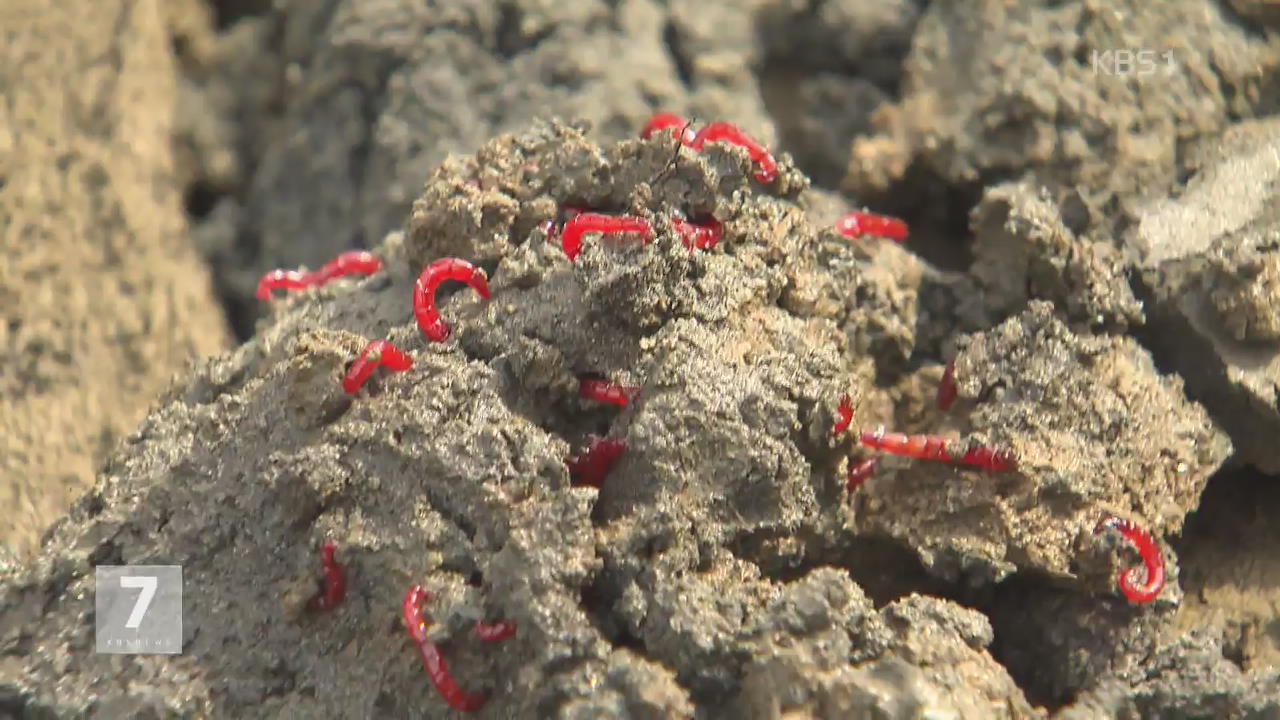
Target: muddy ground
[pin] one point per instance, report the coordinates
(1097, 252)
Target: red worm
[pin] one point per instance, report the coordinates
(282, 280)
(376, 353)
(859, 472)
(1138, 592)
(947, 388)
(934, 447)
(589, 222)
(669, 122)
(845, 412)
(989, 459)
(335, 579)
(411, 609)
(591, 388)
(495, 632)
(434, 663)
(354, 262)
(703, 236)
(591, 467)
(766, 166)
(857, 224)
(424, 293)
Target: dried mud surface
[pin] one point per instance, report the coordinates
(102, 296)
(1093, 254)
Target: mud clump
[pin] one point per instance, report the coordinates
(1096, 431)
(1206, 262)
(993, 90)
(692, 568)
(1027, 245)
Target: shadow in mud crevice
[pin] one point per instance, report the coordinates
(884, 569)
(1056, 643)
(227, 12)
(1230, 571)
(824, 75)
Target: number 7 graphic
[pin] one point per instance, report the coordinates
(147, 583)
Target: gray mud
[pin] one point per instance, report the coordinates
(1095, 255)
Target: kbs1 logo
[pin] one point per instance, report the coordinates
(1132, 62)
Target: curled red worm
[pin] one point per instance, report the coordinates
(859, 472)
(588, 222)
(375, 354)
(600, 390)
(1153, 561)
(495, 632)
(353, 262)
(432, 661)
(947, 387)
(845, 419)
(591, 467)
(857, 224)
(702, 236)
(934, 447)
(669, 122)
(335, 579)
(766, 166)
(424, 292)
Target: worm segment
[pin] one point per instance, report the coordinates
(432, 661)
(591, 467)
(934, 447)
(859, 472)
(1152, 560)
(424, 293)
(766, 166)
(857, 224)
(375, 354)
(702, 236)
(844, 416)
(588, 222)
(353, 262)
(947, 387)
(591, 388)
(335, 579)
(495, 632)
(669, 122)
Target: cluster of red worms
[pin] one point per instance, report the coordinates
(934, 447)
(920, 447)
(381, 353)
(592, 466)
(723, 132)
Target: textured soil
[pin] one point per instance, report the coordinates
(102, 295)
(1095, 255)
